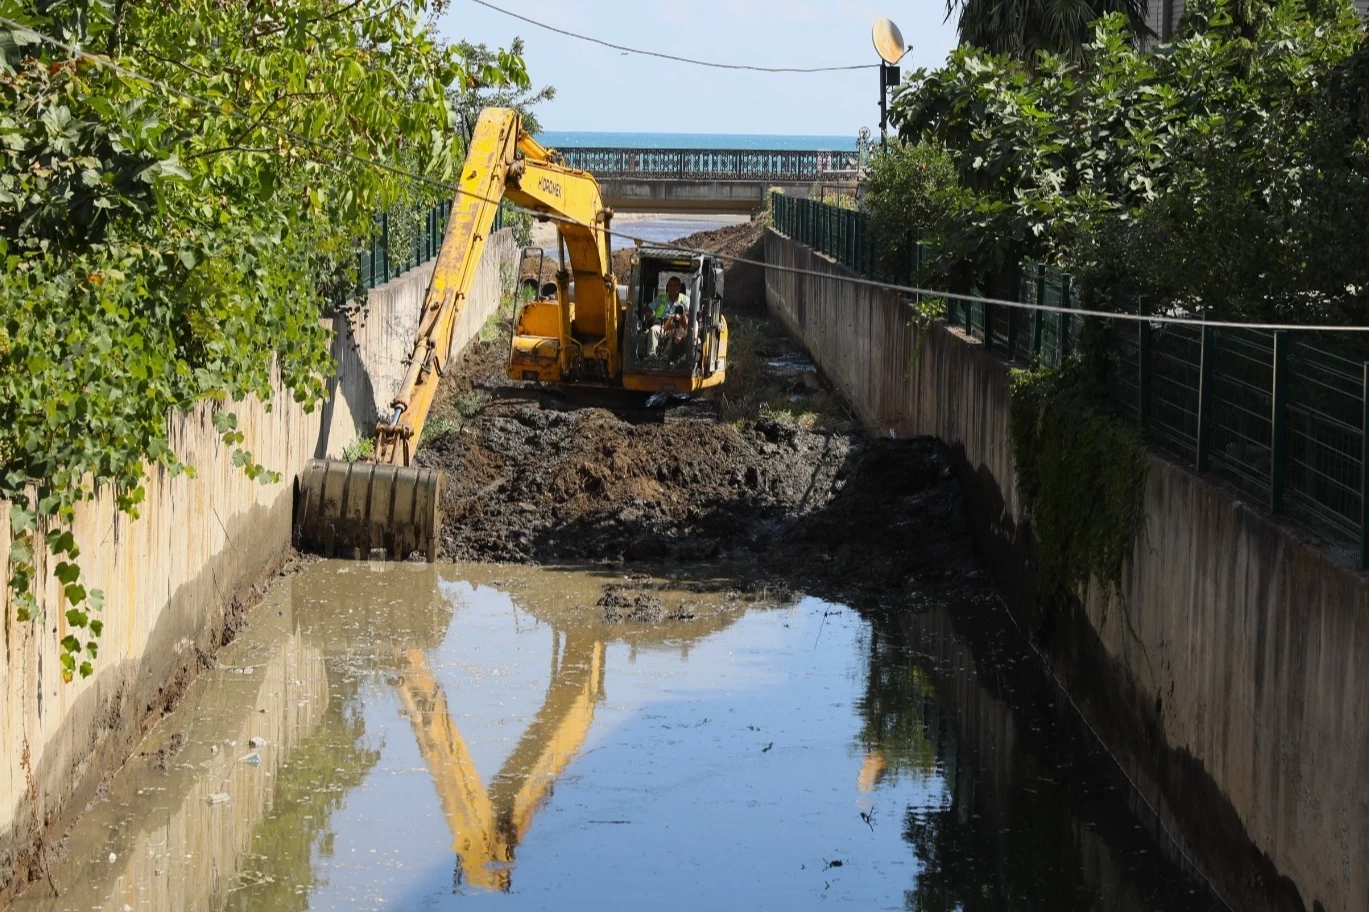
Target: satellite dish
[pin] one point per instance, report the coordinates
(888, 41)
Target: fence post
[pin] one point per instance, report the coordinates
(1144, 364)
(375, 258)
(1063, 335)
(1278, 438)
(1040, 317)
(385, 241)
(851, 238)
(857, 242)
(986, 318)
(1016, 295)
(1364, 472)
(1207, 355)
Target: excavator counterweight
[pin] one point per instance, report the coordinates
(667, 335)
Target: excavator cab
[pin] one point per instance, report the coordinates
(680, 352)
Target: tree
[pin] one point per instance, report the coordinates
(1222, 172)
(910, 189)
(486, 86)
(1023, 28)
(173, 236)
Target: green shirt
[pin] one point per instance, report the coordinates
(662, 305)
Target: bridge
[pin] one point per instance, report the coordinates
(709, 180)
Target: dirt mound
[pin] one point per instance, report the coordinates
(743, 283)
(531, 479)
(541, 484)
(786, 490)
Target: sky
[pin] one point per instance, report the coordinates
(601, 89)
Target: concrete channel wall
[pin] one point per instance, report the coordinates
(177, 579)
(1231, 679)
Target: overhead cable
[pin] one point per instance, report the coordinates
(663, 56)
(106, 63)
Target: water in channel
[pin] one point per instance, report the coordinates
(452, 736)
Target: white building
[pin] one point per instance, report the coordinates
(1163, 17)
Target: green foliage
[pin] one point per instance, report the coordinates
(909, 191)
(1081, 476)
(925, 314)
(439, 425)
(520, 221)
(471, 402)
(1226, 170)
(160, 251)
(363, 448)
(496, 78)
(1025, 28)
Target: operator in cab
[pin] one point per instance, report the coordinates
(664, 304)
(676, 331)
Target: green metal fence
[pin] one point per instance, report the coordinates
(1282, 418)
(380, 261)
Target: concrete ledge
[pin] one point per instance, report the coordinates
(1231, 678)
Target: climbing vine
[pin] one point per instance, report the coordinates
(924, 315)
(173, 242)
(1081, 475)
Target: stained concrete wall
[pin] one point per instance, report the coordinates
(1230, 678)
(177, 578)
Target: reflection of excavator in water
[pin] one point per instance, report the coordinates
(488, 824)
(583, 335)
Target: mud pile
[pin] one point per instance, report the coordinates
(778, 494)
(743, 283)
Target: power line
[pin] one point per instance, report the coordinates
(106, 63)
(700, 63)
(1005, 302)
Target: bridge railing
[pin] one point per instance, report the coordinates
(712, 164)
(1282, 416)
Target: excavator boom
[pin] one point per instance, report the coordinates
(580, 336)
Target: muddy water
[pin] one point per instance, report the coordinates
(480, 737)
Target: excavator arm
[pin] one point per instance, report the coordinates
(388, 504)
(487, 824)
(491, 173)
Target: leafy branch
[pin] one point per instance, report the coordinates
(159, 253)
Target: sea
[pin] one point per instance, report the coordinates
(564, 138)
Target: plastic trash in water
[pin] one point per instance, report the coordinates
(660, 400)
(253, 758)
(218, 798)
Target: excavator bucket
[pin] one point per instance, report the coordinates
(352, 509)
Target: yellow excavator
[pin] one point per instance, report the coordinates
(589, 332)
